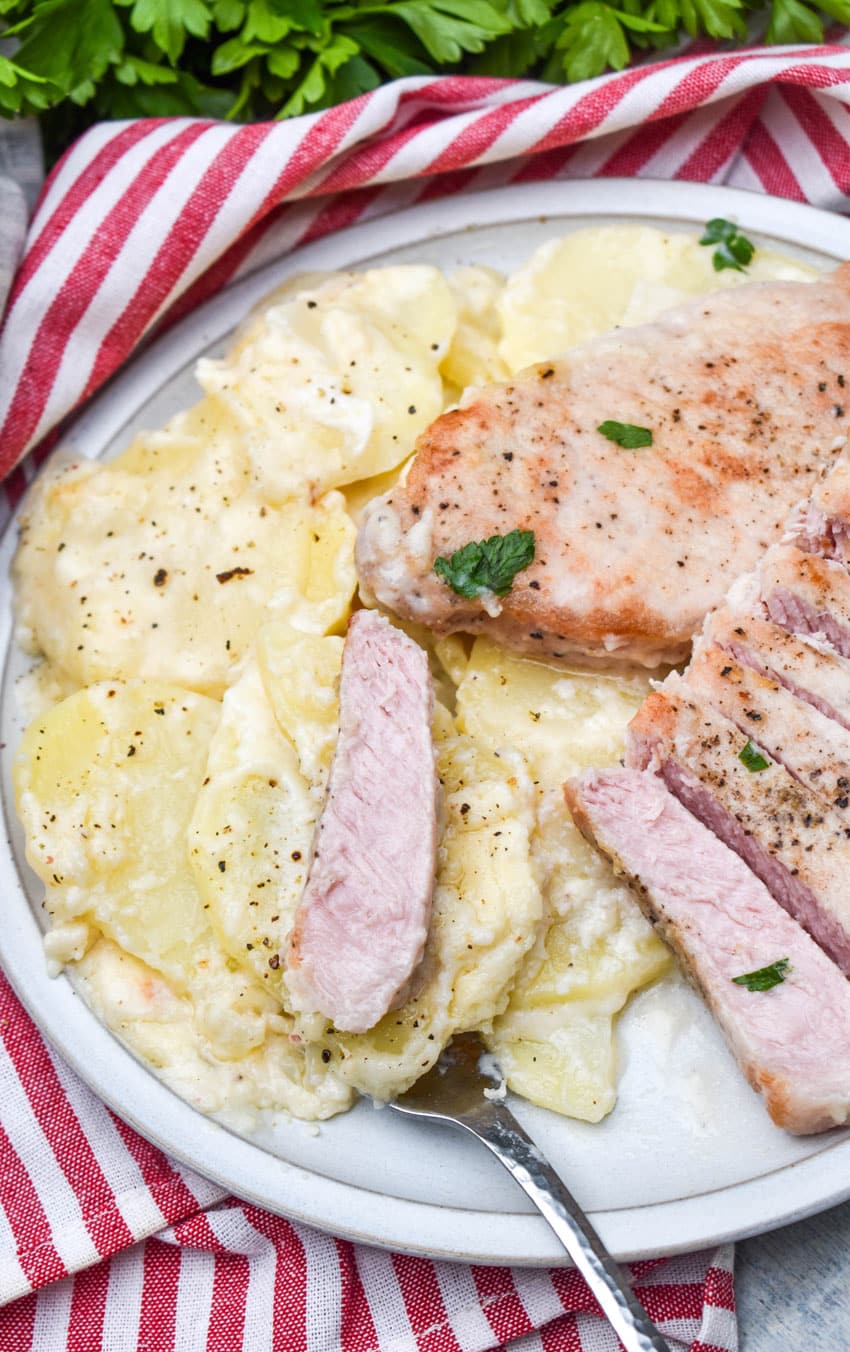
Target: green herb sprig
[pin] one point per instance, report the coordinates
(765, 978)
(733, 250)
(629, 436)
(255, 59)
(751, 757)
(487, 565)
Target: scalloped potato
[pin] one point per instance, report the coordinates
(187, 602)
(162, 563)
(255, 814)
(555, 1040)
(366, 350)
(106, 783)
(612, 276)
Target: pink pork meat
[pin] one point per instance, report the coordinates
(799, 847)
(821, 525)
(813, 748)
(820, 678)
(806, 594)
(362, 923)
(793, 1041)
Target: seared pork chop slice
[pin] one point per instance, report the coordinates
(792, 1042)
(806, 594)
(741, 394)
(822, 678)
(811, 746)
(361, 926)
(821, 525)
(799, 847)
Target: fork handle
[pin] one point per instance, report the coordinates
(497, 1127)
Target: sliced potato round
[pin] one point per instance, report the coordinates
(563, 721)
(566, 1063)
(596, 279)
(473, 357)
(105, 783)
(336, 384)
(251, 833)
(301, 679)
(162, 563)
(555, 1039)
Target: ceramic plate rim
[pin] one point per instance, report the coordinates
(203, 1144)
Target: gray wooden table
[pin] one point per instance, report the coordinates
(793, 1287)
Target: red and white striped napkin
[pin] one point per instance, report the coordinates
(105, 1243)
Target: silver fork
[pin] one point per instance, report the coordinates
(453, 1092)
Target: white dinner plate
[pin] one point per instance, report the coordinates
(689, 1156)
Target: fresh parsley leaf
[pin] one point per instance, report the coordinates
(310, 91)
(357, 76)
(253, 60)
(720, 18)
(390, 44)
(228, 14)
(594, 39)
(766, 977)
(791, 21)
(836, 9)
(234, 54)
(269, 21)
(733, 250)
(487, 565)
(448, 28)
(171, 22)
(529, 13)
(751, 757)
(628, 436)
(513, 56)
(133, 69)
(57, 47)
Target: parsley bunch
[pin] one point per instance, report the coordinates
(77, 62)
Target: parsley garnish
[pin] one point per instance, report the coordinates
(487, 565)
(733, 250)
(251, 60)
(626, 434)
(750, 756)
(766, 977)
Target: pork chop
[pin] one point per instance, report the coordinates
(821, 677)
(810, 745)
(821, 525)
(361, 925)
(807, 594)
(742, 394)
(792, 1041)
(799, 847)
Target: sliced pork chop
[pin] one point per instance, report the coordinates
(741, 392)
(821, 678)
(810, 745)
(799, 847)
(361, 926)
(822, 524)
(806, 594)
(793, 1041)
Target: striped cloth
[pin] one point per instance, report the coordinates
(103, 1241)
